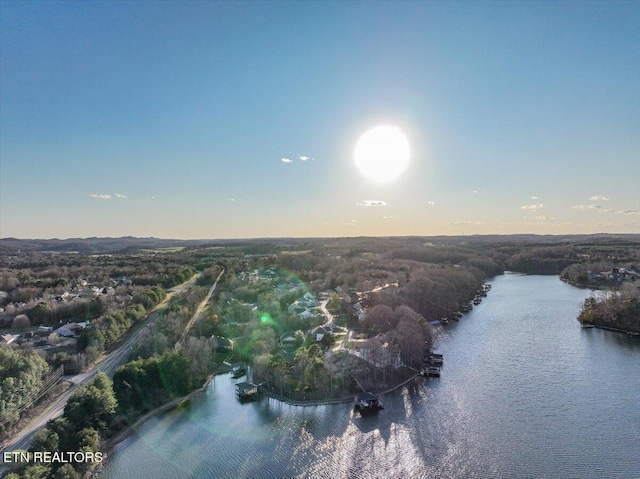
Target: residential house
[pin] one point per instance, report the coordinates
(319, 332)
(69, 330)
(7, 339)
(287, 339)
(358, 311)
(306, 314)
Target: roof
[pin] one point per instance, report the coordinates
(8, 338)
(245, 386)
(72, 326)
(366, 396)
(64, 331)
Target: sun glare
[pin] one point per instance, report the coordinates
(382, 153)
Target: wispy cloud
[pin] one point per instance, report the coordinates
(535, 198)
(545, 218)
(458, 223)
(602, 209)
(431, 203)
(351, 223)
(101, 197)
(533, 207)
(474, 191)
(387, 217)
(371, 203)
(587, 207)
(599, 198)
(291, 159)
(536, 223)
(618, 212)
(118, 195)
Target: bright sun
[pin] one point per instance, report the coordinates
(382, 153)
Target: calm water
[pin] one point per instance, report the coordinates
(525, 392)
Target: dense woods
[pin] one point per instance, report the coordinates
(619, 311)
(87, 417)
(22, 375)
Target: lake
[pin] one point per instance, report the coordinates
(525, 392)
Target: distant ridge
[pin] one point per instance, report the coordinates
(134, 245)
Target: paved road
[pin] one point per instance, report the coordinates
(330, 322)
(108, 365)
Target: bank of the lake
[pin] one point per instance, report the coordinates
(525, 392)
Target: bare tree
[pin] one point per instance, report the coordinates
(379, 319)
(21, 323)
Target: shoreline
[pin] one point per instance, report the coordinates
(609, 328)
(324, 402)
(128, 431)
(589, 325)
(594, 287)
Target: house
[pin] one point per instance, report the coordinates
(306, 314)
(358, 311)
(319, 332)
(288, 338)
(69, 330)
(42, 332)
(7, 339)
(296, 308)
(222, 344)
(594, 276)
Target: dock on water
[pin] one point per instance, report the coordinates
(246, 390)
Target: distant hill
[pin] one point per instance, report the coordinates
(133, 245)
(127, 244)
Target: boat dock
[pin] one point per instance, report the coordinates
(367, 402)
(246, 390)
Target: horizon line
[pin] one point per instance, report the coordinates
(477, 235)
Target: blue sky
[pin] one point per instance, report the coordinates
(171, 119)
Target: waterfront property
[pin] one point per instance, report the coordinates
(506, 409)
(246, 390)
(436, 359)
(433, 371)
(367, 402)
